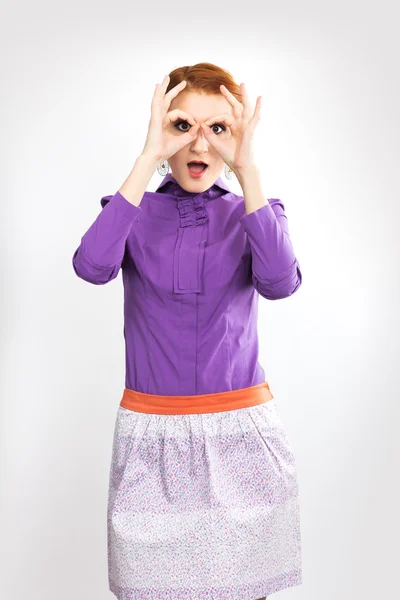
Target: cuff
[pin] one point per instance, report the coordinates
(264, 211)
(122, 205)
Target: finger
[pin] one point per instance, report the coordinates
(161, 87)
(223, 117)
(188, 136)
(162, 99)
(169, 96)
(237, 106)
(257, 114)
(245, 101)
(155, 99)
(173, 115)
(211, 137)
(158, 92)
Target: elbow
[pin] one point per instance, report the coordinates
(283, 288)
(92, 273)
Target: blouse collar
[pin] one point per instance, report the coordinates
(169, 185)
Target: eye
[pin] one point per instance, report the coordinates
(177, 125)
(182, 123)
(219, 125)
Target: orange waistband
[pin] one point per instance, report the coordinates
(198, 403)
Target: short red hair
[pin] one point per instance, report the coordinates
(204, 77)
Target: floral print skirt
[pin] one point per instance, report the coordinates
(203, 506)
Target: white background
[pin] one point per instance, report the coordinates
(77, 82)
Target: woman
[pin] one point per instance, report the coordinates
(203, 490)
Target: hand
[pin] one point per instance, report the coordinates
(237, 149)
(160, 143)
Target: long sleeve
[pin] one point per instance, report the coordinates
(99, 256)
(276, 272)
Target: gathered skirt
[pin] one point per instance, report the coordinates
(203, 499)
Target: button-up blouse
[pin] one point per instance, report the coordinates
(193, 267)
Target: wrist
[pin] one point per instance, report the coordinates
(148, 159)
(247, 173)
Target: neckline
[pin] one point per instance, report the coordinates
(169, 185)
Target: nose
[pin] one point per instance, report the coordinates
(200, 143)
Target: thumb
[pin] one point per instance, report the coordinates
(190, 135)
(210, 136)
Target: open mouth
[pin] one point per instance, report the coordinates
(197, 168)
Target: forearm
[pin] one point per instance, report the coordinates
(138, 179)
(250, 182)
(275, 269)
(99, 256)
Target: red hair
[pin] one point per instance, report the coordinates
(204, 77)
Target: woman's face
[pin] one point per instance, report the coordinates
(201, 107)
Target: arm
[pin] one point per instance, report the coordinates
(99, 256)
(276, 272)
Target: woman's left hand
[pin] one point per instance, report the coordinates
(236, 150)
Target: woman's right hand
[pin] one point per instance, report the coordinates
(161, 142)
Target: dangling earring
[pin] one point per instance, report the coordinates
(228, 172)
(163, 167)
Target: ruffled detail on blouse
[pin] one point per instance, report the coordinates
(191, 241)
(192, 210)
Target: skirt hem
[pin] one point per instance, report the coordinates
(244, 592)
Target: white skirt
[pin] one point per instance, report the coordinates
(203, 506)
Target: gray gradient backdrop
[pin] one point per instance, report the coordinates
(77, 82)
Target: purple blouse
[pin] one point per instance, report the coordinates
(193, 266)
